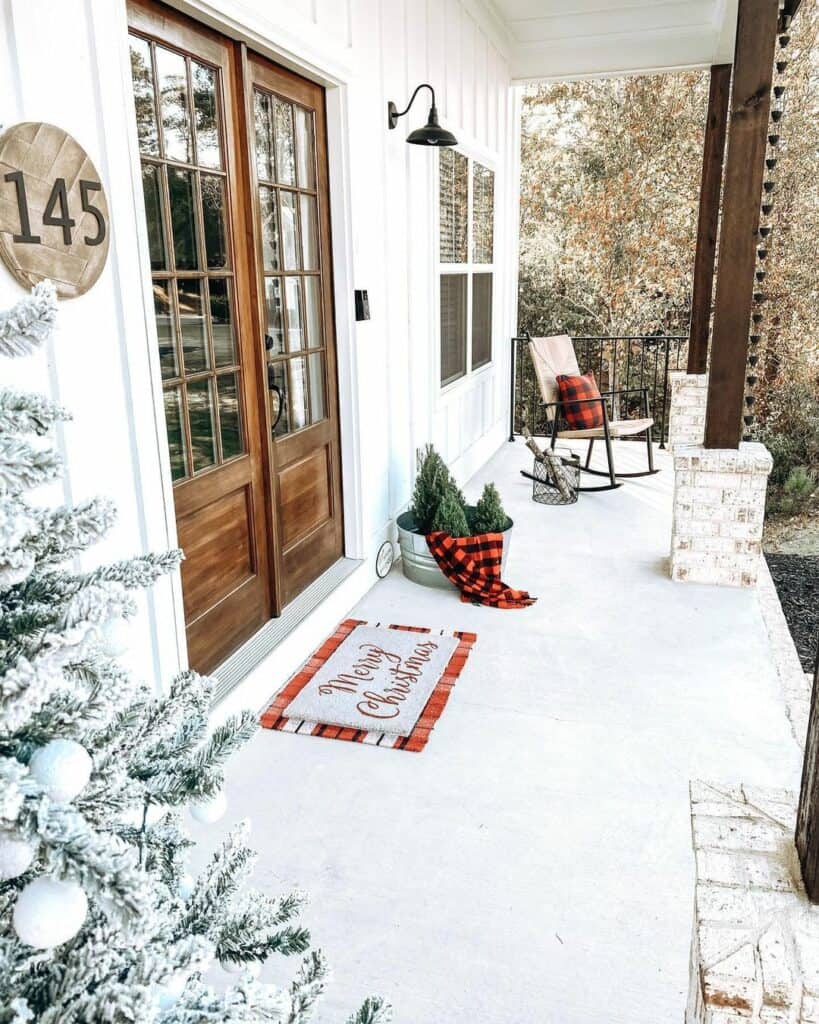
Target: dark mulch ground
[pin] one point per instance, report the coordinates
(797, 583)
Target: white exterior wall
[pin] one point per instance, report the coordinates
(67, 63)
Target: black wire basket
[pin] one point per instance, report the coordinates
(544, 489)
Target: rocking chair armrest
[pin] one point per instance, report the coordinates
(624, 391)
(559, 405)
(632, 391)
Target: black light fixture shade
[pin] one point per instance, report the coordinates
(432, 134)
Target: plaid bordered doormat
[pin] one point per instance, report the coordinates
(367, 685)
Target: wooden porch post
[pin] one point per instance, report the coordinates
(713, 152)
(744, 168)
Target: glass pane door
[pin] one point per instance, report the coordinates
(181, 138)
(285, 147)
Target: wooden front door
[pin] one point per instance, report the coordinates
(252, 513)
(292, 231)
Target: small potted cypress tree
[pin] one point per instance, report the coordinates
(439, 504)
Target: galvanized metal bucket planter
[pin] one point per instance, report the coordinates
(419, 565)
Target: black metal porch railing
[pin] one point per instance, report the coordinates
(618, 361)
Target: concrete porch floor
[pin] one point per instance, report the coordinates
(534, 863)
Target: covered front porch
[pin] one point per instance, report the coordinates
(534, 863)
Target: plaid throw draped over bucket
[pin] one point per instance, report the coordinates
(473, 564)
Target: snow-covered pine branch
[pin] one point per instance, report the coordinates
(22, 466)
(27, 324)
(24, 413)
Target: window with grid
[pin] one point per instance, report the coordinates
(294, 336)
(465, 263)
(179, 125)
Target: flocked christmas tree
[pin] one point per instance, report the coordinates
(99, 919)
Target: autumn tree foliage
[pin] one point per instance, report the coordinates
(610, 173)
(790, 328)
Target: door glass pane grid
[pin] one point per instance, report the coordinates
(295, 350)
(294, 315)
(185, 184)
(284, 134)
(179, 105)
(286, 176)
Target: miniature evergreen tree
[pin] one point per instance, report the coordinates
(98, 919)
(450, 516)
(489, 515)
(432, 482)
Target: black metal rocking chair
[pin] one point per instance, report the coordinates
(554, 356)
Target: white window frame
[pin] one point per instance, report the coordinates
(469, 269)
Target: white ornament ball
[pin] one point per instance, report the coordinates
(63, 768)
(187, 883)
(113, 635)
(209, 810)
(49, 912)
(16, 855)
(171, 989)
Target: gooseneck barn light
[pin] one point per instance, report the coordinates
(432, 134)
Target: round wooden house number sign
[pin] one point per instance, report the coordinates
(53, 211)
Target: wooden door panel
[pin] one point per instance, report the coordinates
(225, 525)
(190, 125)
(305, 497)
(288, 158)
(214, 638)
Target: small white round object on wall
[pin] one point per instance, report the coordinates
(114, 636)
(384, 559)
(16, 856)
(209, 810)
(63, 768)
(49, 912)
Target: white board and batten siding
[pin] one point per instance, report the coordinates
(67, 63)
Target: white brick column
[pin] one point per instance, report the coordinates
(755, 945)
(719, 508)
(686, 414)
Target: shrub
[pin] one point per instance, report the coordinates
(796, 492)
(432, 483)
(489, 516)
(450, 516)
(791, 434)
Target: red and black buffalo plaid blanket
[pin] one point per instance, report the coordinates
(473, 564)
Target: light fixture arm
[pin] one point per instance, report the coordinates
(393, 113)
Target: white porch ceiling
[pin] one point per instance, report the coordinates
(578, 38)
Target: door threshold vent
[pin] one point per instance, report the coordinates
(233, 670)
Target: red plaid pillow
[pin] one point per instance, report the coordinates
(580, 415)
